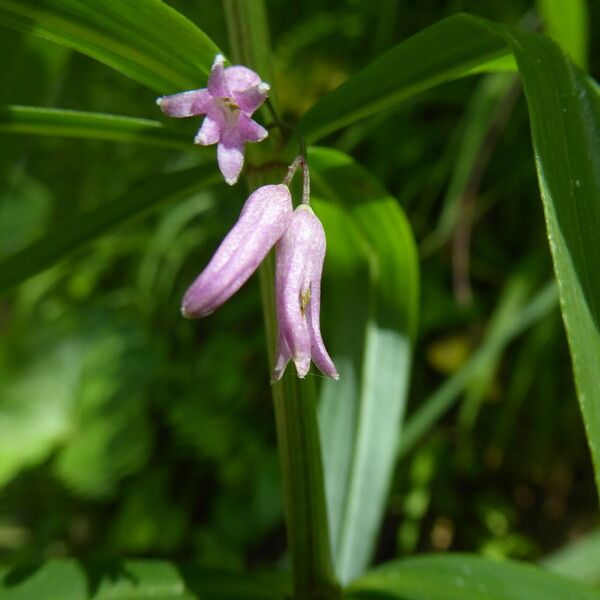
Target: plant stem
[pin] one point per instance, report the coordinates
(294, 400)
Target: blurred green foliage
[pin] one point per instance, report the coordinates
(124, 429)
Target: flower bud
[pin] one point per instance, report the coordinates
(264, 217)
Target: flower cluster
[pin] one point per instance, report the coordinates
(267, 220)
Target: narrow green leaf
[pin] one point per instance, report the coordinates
(135, 580)
(567, 23)
(565, 123)
(146, 40)
(73, 233)
(451, 48)
(373, 281)
(464, 577)
(71, 123)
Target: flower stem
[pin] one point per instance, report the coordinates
(294, 400)
(300, 161)
(306, 181)
(292, 170)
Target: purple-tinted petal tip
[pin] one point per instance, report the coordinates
(251, 131)
(250, 98)
(217, 82)
(186, 104)
(230, 157)
(209, 133)
(283, 358)
(302, 364)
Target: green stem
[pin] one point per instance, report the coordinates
(294, 400)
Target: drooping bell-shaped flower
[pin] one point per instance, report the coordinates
(264, 217)
(232, 96)
(299, 264)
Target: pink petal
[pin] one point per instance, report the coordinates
(250, 130)
(319, 353)
(230, 156)
(217, 83)
(264, 217)
(209, 133)
(240, 78)
(251, 98)
(186, 104)
(246, 88)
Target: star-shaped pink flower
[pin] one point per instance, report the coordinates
(232, 96)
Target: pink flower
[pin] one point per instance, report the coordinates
(232, 96)
(299, 264)
(264, 217)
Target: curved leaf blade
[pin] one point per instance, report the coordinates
(369, 240)
(451, 48)
(464, 577)
(73, 233)
(88, 125)
(146, 40)
(568, 167)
